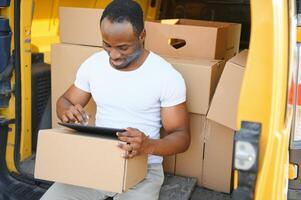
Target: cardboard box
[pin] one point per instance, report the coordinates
(201, 77)
(224, 104)
(218, 155)
(221, 126)
(201, 39)
(80, 26)
(190, 163)
(81, 159)
(66, 59)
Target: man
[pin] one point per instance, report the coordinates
(133, 89)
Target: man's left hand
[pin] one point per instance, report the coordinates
(134, 142)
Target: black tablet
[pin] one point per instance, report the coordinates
(104, 131)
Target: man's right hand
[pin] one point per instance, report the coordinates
(69, 107)
(75, 114)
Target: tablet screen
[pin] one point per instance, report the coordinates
(105, 131)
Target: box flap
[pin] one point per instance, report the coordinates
(169, 21)
(192, 22)
(134, 172)
(223, 108)
(241, 58)
(224, 105)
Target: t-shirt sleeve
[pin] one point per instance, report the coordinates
(82, 77)
(173, 90)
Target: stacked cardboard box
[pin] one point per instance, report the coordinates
(209, 157)
(192, 47)
(214, 143)
(200, 39)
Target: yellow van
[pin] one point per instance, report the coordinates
(268, 144)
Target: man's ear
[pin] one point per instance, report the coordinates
(142, 36)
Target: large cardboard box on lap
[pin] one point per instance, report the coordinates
(66, 59)
(70, 157)
(185, 38)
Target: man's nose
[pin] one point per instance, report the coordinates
(114, 54)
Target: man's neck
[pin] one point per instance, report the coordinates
(138, 62)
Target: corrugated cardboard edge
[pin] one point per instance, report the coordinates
(241, 58)
(135, 171)
(226, 184)
(217, 71)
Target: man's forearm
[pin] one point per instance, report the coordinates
(61, 105)
(176, 142)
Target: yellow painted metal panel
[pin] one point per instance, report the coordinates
(263, 94)
(293, 171)
(25, 52)
(298, 34)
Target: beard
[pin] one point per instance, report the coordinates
(130, 59)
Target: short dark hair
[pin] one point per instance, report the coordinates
(125, 10)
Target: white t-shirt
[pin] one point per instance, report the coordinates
(131, 98)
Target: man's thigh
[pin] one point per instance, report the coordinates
(149, 188)
(60, 191)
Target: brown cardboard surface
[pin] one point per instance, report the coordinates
(201, 77)
(69, 157)
(66, 59)
(218, 154)
(190, 163)
(241, 58)
(132, 166)
(80, 26)
(224, 105)
(204, 39)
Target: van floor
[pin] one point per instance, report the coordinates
(174, 184)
